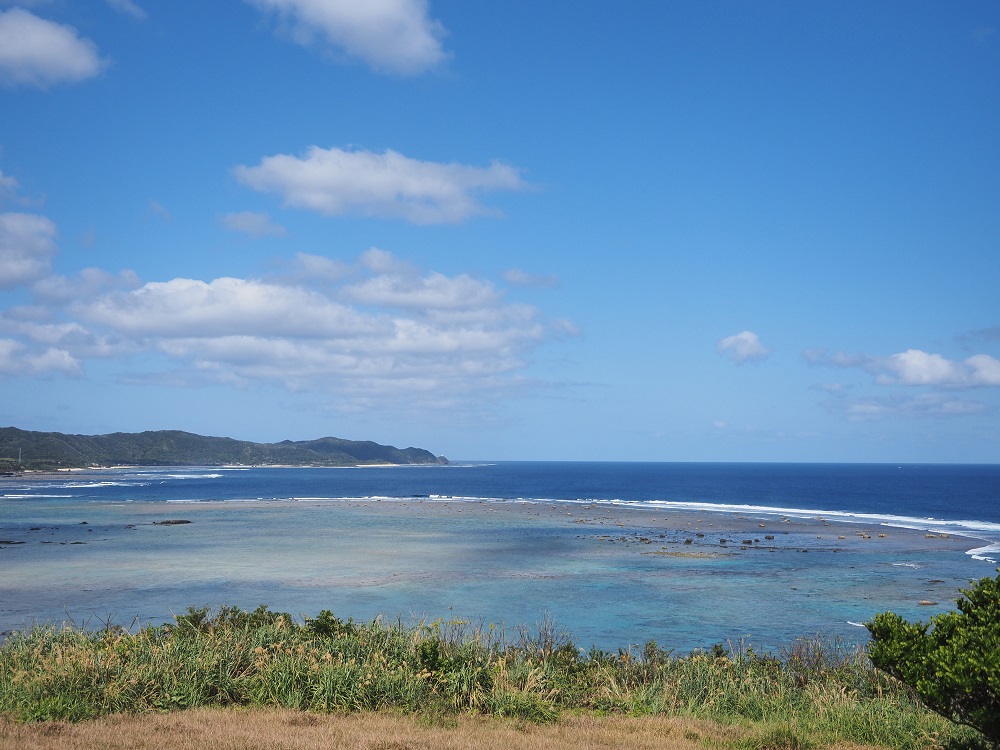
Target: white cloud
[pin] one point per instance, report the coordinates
(743, 347)
(392, 36)
(39, 53)
(129, 8)
(371, 336)
(27, 244)
(224, 307)
(375, 333)
(336, 182)
(431, 292)
(10, 193)
(915, 367)
(253, 223)
(86, 284)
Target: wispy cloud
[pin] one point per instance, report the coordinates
(129, 8)
(927, 405)
(8, 187)
(336, 182)
(253, 223)
(158, 209)
(38, 53)
(519, 277)
(981, 334)
(743, 347)
(392, 36)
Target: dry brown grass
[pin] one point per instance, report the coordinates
(294, 730)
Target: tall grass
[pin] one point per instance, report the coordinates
(814, 693)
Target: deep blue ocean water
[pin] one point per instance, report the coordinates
(842, 543)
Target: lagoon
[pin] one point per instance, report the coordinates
(615, 553)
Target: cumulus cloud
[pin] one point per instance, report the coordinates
(39, 53)
(915, 367)
(253, 223)
(225, 307)
(392, 36)
(743, 347)
(371, 333)
(27, 244)
(16, 359)
(375, 331)
(336, 182)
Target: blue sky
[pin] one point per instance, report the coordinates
(692, 231)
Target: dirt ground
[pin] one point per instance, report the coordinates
(294, 730)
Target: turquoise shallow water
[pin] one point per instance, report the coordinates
(612, 573)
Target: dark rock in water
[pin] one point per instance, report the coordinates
(173, 522)
(747, 541)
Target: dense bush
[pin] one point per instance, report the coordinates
(952, 662)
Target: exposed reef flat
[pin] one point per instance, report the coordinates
(606, 571)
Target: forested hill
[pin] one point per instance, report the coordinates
(50, 450)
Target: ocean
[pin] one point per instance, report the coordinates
(687, 555)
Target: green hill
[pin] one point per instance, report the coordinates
(53, 450)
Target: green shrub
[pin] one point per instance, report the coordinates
(953, 662)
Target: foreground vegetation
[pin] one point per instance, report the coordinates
(816, 694)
